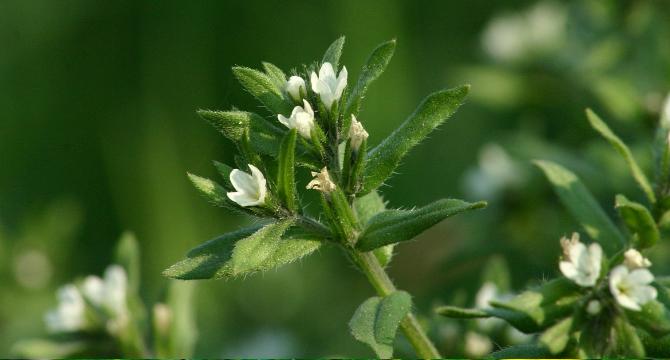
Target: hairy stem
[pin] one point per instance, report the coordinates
(423, 347)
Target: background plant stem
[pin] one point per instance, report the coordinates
(423, 347)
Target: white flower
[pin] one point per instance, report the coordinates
(322, 182)
(477, 345)
(357, 134)
(631, 289)
(582, 265)
(327, 85)
(250, 188)
(108, 294)
(293, 86)
(301, 119)
(69, 315)
(634, 260)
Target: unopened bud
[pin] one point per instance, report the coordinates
(357, 134)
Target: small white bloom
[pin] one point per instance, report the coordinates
(116, 288)
(69, 315)
(293, 86)
(593, 307)
(631, 289)
(357, 134)
(477, 345)
(302, 118)
(251, 189)
(327, 85)
(582, 265)
(322, 182)
(634, 260)
(108, 294)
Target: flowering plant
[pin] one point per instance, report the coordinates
(608, 304)
(319, 131)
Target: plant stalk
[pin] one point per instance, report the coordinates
(423, 347)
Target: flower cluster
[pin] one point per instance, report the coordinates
(326, 89)
(97, 303)
(628, 282)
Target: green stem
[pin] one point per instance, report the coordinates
(423, 347)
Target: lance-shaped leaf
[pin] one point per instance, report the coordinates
(556, 337)
(252, 252)
(276, 74)
(265, 89)
(366, 207)
(286, 173)
(375, 66)
(639, 221)
(182, 332)
(394, 226)
(583, 206)
(213, 259)
(433, 111)
(626, 342)
(545, 304)
(621, 147)
(225, 171)
(211, 190)
(376, 321)
(334, 52)
(456, 312)
(128, 256)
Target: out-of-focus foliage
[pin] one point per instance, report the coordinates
(98, 129)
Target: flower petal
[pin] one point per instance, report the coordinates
(326, 71)
(242, 182)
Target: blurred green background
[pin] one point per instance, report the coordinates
(98, 129)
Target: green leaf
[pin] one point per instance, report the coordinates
(621, 147)
(639, 221)
(521, 352)
(286, 173)
(334, 52)
(252, 252)
(183, 331)
(375, 66)
(433, 111)
(654, 346)
(265, 89)
(209, 189)
(461, 313)
(230, 123)
(49, 349)
(128, 256)
(225, 171)
(393, 226)
(376, 321)
(653, 318)
(583, 206)
(276, 74)
(627, 343)
(556, 338)
(366, 207)
(213, 259)
(545, 304)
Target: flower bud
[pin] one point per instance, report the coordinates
(293, 87)
(357, 134)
